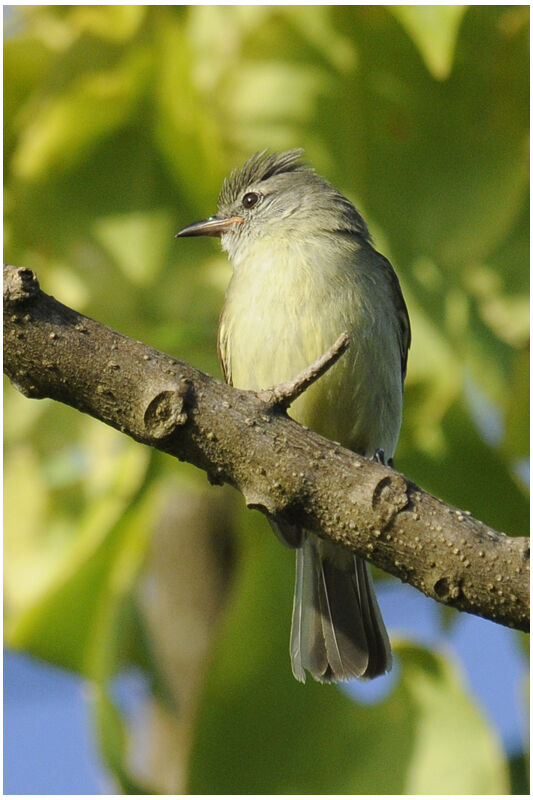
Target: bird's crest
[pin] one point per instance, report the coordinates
(258, 168)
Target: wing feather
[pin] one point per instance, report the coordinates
(223, 348)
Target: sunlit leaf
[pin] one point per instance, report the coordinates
(60, 621)
(120, 123)
(186, 131)
(110, 22)
(138, 241)
(469, 474)
(63, 127)
(434, 31)
(438, 763)
(259, 731)
(114, 743)
(516, 442)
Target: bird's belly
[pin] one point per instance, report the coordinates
(270, 340)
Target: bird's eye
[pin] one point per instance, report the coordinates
(250, 199)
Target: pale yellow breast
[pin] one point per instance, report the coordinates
(285, 306)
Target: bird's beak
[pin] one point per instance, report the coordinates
(213, 226)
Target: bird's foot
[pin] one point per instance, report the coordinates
(379, 458)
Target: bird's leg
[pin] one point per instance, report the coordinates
(379, 458)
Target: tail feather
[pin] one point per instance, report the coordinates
(379, 649)
(297, 620)
(306, 629)
(343, 632)
(337, 630)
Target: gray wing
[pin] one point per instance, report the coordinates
(402, 315)
(223, 348)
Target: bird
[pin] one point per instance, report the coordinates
(304, 271)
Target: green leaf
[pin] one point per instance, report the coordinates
(260, 732)
(454, 751)
(113, 739)
(63, 127)
(468, 473)
(516, 444)
(64, 623)
(137, 241)
(519, 768)
(109, 22)
(186, 132)
(433, 29)
(117, 119)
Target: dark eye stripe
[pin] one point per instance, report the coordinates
(250, 199)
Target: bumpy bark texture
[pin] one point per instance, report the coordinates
(247, 440)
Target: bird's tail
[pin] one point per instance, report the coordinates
(337, 629)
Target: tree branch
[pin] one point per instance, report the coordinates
(285, 394)
(282, 469)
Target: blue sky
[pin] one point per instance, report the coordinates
(48, 744)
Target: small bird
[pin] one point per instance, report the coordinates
(305, 271)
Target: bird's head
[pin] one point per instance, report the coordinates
(277, 195)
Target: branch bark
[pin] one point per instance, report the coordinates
(282, 469)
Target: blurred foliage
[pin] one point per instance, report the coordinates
(120, 122)
(293, 739)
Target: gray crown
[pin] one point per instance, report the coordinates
(259, 167)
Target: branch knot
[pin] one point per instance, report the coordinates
(20, 284)
(167, 411)
(389, 497)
